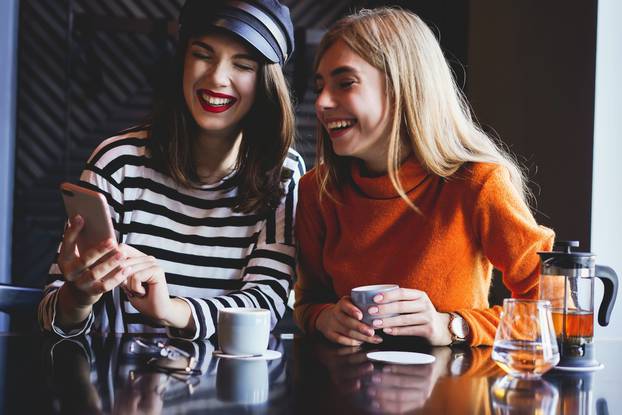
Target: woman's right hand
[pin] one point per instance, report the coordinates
(341, 323)
(89, 274)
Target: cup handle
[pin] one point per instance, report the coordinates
(610, 282)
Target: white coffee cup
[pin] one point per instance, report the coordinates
(243, 331)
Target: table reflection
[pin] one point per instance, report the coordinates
(106, 375)
(521, 396)
(70, 378)
(109, 375)
(242, 381)
(379, 387)
(575, 389)
(373, 387)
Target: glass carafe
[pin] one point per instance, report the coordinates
(567, 281)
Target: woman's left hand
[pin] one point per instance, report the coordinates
(147, 290)
(417, 316)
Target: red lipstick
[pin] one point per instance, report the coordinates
(215, 108)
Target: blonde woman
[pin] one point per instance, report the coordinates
(407, 190)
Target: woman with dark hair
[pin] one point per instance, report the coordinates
(202, 199)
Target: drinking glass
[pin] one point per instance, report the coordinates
(525, 345)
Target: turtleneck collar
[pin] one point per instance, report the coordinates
(410, 173)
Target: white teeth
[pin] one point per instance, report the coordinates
(216, 101)
(333, 125)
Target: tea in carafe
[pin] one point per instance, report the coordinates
(578, 326)
(567, 281)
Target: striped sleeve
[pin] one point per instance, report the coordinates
(101, 174)
(269, 271)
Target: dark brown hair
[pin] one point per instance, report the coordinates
(267, 133)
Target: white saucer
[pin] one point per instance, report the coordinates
(268, 355)
(402, 358)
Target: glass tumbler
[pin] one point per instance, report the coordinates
(525, 345)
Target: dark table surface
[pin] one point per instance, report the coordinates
(99, 374)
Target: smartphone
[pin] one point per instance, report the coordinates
(93, 208)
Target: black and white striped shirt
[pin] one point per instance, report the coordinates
(213, 257)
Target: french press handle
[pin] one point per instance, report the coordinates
(610, 282)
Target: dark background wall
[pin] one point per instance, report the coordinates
(527, 67)
(531, 72)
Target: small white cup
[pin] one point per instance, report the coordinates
(243, 331)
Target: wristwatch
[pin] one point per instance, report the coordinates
(458, 328)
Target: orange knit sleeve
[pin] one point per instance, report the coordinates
(510, 238)
(313, 289)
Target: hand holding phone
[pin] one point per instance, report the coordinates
(93, 209)
(89, 258)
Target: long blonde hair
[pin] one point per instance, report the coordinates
(430, 114)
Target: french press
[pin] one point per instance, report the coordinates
(567, 281)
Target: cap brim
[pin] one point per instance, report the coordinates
(250, 35)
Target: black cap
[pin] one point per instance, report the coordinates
(264, 24)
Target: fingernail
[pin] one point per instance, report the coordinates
(369, 333)
(373, 310)
(78, 219)
(387, 330)
(377, 340)
(378, 298)
(359, 316)
(377, 323)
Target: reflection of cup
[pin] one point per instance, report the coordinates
(520, 396)
(243, 331)
(242, 381)
(363, 298)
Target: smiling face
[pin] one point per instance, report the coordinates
(352, 105)
(220, 81)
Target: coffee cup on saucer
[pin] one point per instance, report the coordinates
(243, 331)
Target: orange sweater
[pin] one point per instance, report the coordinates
(471, 222)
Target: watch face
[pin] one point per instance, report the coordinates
(458, 327)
